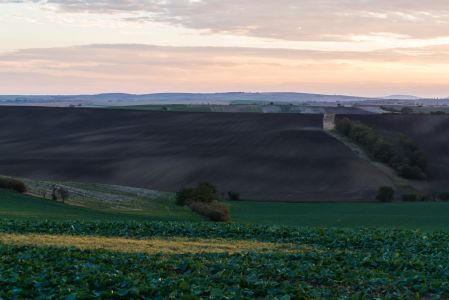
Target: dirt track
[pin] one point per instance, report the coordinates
(262, 156)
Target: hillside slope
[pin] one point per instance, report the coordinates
(430, 132)
(261, 156)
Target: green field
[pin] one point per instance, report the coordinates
(50, 250)
(420, 215)
(16, 206)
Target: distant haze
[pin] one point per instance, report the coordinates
(123, 99)
(204, 98)
(401, 97)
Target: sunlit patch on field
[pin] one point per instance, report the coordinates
(148, 246)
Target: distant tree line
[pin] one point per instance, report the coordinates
(438, 112)
(398, 151)
(387, 194)
(409, 110)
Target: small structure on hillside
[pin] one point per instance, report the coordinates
(329, 121)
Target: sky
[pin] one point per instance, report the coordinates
(352, 47)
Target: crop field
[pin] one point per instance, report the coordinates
(52, 250)
(121, 260)
(274, 157)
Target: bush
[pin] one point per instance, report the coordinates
(183, 197)
(385, 194)
(233, 196)
(202, 200)
(410, 197)
(204, 192)
(417, 158)
(13, 185)
(213, 211)
(425, 198)
(443, 196)
(412, 172)
(438, 112)
(383, 151)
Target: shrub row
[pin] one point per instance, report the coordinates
(413, 197)
(387, 194)
(399, 152)
(444, 196)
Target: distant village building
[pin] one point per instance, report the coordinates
(329, 121)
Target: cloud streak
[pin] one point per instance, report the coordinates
(306, 20)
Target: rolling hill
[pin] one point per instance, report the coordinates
(280, 157)
(430, 132)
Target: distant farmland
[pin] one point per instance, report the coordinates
(261, 156)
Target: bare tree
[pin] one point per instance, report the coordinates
(60, 193)
(54, 193)
(64, 194)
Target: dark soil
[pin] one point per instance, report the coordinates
(279, 157)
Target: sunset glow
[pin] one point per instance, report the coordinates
(367, 48)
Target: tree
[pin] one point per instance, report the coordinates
(54, 194)
(59, 193)
(385, 194)
(233, 196)
(203, 192)
(444, 196)
(64, 194)
(383, 151)
(43, 193)
(412, 172)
